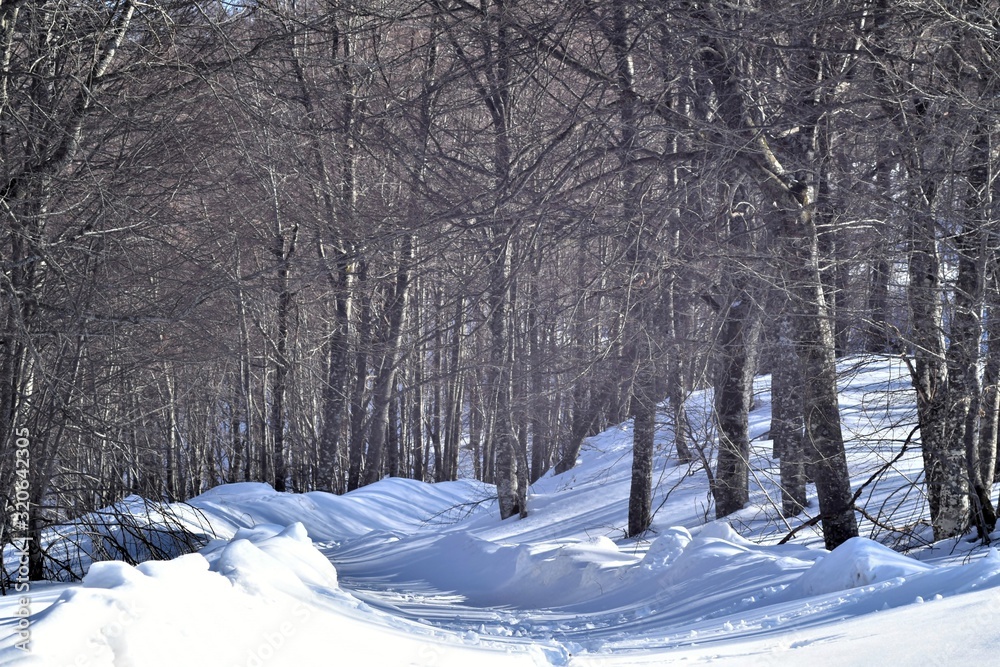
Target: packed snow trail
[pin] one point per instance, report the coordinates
(683, 593)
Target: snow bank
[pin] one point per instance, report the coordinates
(132, 530)
(265, 597)
(394, 504)
(136, 529)
(856, 562)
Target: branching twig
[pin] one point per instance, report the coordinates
(857, 494)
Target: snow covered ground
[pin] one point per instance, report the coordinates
(406, 573)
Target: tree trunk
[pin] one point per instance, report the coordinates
(393, 440)
(737, 361)
(678, 383)
(385, 378)
(334, 394)
(437, 422)
(640, 496)
(877, 337)
(814, 342)
(500, 383)
(964, 387)
(282, 251)
(455, 394)
(359, 393)
(990, 409)
(787, 422)
(172, 439)
(419, 470)
(733, 393)
(944, 458)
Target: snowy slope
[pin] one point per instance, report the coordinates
(406, 573)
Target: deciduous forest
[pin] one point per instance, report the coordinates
(316, 243)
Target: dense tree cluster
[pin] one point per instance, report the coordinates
(319, 242)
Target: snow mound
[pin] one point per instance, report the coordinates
(855, 563)
(271, 558)
(723, 530)
(667, 547)
(394, 504)
(243, 590)
(265, 597)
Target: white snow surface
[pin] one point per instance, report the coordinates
(407, 573)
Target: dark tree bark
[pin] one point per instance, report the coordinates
(643, 325)
(787, 421)
(877, 336)
(336, 201)
(640, 497)
(824, 441)
(737, 361)
(733, 394)
(678, 380)
(944, 458)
